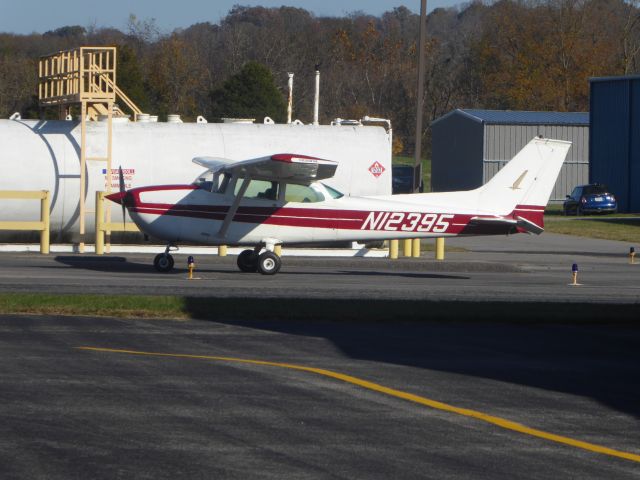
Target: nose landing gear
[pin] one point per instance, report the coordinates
(164, 261)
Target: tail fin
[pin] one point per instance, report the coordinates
(523, 186)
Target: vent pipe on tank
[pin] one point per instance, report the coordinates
(290, 103)
(316, 101)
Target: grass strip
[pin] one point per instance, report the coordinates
(300, 309)
(621, 229)
(132, 306)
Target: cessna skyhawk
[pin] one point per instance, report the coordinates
(281, 199)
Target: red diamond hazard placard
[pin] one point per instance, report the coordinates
(376, 169)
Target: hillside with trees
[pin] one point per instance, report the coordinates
(506, 54)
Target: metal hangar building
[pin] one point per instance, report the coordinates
(470, 146)
(615, 138)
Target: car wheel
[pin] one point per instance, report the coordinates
(163, 262)
(247, 261)
(269, 263)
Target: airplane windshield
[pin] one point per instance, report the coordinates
(213, 183)
(332, 191)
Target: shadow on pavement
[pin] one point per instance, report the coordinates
(586, 350)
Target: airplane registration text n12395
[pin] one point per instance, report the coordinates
(407, 222)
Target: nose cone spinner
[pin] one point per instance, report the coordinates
(117, 197)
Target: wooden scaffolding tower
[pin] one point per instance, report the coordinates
(84, 76)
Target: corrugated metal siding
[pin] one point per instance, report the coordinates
(502, 142)
(456, 152)
(609, 145)
(634, 148)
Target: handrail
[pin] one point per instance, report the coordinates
(103, 227)
(43, 226)
(128, 102)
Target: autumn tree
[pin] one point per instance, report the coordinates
(251, 93)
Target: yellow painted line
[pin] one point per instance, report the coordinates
(500, 422)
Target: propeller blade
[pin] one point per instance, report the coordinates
(123, 191)
(121, 179)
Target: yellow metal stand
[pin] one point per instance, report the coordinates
(393, 249)
(415, 249)
(406, 247)
(278, 250)
(440, 248)
(574, 278)
(43, 226)
(222, 250)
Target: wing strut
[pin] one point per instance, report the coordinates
(234, 208)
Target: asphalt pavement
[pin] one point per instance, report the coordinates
(499, 269)
(114, 398)
(310, 374)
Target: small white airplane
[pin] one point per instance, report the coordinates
(280, 199)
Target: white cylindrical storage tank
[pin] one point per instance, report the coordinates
(45, 155)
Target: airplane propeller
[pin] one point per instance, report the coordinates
(123, 193)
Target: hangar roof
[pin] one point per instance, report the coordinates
(514, 117)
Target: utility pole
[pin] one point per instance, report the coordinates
(417, 170)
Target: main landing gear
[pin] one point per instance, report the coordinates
(267, 263)
(164, 261)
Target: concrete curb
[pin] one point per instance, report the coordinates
(189, 250)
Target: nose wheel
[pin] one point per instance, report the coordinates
(163, 262)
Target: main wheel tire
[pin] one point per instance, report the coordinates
(247, 261)
(269, 263)
(163, 262)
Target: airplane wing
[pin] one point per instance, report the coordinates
(282, 166)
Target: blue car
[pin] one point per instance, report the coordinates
(593, 198)
(402, 179)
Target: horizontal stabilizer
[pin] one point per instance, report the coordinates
(529, 226)
(510, 225)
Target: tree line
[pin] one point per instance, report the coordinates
(506, 54)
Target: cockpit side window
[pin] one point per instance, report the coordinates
(302, 193)
(259, 189)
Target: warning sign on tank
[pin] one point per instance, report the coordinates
(127, 174)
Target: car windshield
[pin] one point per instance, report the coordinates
(595, 190)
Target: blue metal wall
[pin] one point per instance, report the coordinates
(614, 153)
(456, 153)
